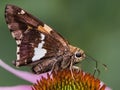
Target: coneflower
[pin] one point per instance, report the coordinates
(62, 80)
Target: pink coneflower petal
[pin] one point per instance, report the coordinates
(22, 74)
(21, 87)
(107, 88)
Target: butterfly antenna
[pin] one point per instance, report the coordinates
(105, 66)
(96, 65)
(96, 70)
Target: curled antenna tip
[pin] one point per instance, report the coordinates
(105, 66)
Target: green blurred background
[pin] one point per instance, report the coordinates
(93, 25)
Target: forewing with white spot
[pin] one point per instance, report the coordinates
(35, 40)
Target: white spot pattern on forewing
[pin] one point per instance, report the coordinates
(42, 36)
(21, 12)
(39, 51)
(18, 55)
(18, 42)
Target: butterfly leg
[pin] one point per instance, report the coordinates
(76, 68)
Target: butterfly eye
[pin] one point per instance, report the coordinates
(78, 55)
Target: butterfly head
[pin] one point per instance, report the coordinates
(78, 54)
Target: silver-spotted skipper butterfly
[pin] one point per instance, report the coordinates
(38, 45)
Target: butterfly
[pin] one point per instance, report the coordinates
(38, 45)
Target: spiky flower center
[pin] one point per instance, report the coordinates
(63, 80)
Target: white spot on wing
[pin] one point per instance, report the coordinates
(9, 26)
(18, 55)
(13, 35)
(39, 52)
(21, 12)
(18, 41)
(17, 34)
(17, 64)
(18, 48)
(42, 36)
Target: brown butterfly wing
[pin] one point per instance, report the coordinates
(35, 40)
